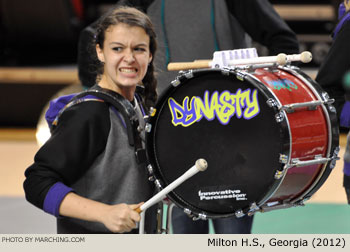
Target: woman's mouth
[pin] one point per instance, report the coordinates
(128, 70)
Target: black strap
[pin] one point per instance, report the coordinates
(121, 104)
(126, 109)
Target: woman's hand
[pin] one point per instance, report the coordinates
(121, 218)
(117, 218)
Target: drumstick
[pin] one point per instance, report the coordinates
(200, 165)
(281, 59)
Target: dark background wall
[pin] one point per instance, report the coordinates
(44, 34)
(39, 35)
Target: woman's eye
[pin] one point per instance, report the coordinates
(118, 49)
(140, 49)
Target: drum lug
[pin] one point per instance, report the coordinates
(327, 99)
(150, 169)
(203, 216)
(325, 96)
(139, 128)
(253, 209)
(293, 67)
(240, 76)
(332, 109)
(175, 82)
(301, 202)
(188, 74)
(150, 173)
(200, 217)
(148, 127)
(279, 117)
(226, 71)
(279, 174)
(334, 157)
(329, 102)
(152, 111)
(283, 159)
(272, 103)
(158, 185)
(239, 214)
(146, 118)
(188, 212)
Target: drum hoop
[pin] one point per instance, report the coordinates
(284, 125)
(325, 171)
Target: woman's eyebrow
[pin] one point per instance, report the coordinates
(116, 43)
(120, 43)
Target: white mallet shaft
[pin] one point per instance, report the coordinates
(200, 165)
(280, 59)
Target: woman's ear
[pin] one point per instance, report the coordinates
(100, 54)
(150, 58)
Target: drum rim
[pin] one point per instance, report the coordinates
(333, 133)
(285, 125)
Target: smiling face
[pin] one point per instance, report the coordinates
(126, 56)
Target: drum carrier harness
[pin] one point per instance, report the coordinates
(122, 105)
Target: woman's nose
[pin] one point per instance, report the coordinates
(129, 56)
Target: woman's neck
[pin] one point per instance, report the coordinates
(127, 92)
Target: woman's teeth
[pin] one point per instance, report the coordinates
(128, 70)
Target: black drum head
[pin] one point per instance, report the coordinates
(242, 150)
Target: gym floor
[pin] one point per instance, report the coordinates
(325, 213)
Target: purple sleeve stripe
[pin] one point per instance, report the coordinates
(54, 198)
(346, 168)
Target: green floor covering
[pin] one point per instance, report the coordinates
(310, 219)
(313, 218)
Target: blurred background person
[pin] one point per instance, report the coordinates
(334, 77)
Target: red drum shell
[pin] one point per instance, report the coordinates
(308, 128)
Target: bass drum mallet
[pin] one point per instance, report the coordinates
(200, 165)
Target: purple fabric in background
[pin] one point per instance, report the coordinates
(341, 11)
(345, 115)
(342, 17)
(346, 168)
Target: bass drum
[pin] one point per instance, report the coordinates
(270, 138)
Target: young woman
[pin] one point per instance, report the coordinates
(87, 174)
